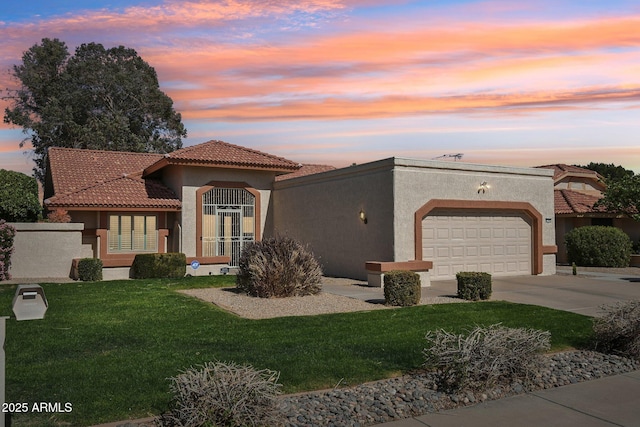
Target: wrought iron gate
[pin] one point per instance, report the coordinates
(228, 222)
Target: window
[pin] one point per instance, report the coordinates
(133, 233)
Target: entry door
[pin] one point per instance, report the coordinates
(229, 234)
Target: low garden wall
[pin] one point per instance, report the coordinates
(46, 250)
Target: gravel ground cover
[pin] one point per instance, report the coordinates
(414, 395)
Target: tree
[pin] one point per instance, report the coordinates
(622, 196)
(608, 171)
(107, 99)
(18, 197)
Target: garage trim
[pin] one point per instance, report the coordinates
(521, 207)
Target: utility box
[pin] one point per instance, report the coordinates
(29, 302)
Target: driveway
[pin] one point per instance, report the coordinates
(582, 294)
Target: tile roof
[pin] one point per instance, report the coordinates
(114, 179)
(561, 170)
(127, 191)
(574, 202)
(73, 169)
(305, 170)
(222, 154)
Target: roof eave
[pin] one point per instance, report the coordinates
(208, 164)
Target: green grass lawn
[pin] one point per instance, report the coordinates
(108, 347)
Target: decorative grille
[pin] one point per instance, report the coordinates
(227, 222)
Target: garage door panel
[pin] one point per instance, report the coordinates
(497, 242)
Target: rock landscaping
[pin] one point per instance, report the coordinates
(414, 395)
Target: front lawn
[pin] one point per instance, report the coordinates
(107, 348)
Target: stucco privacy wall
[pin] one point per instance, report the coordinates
(416, 182)
(185, 182)
(323, 210)
(46, 250)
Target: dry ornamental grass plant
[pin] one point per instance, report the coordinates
(278, 267)
(485, 356)
(225, 395)
(618, 330)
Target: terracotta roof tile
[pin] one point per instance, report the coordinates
(562, 169)
(221, 154)
(305, 170)
(73, 169)
(574, 202)
(129, 191)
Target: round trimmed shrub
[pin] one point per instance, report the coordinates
(598, 246)
(402, 288)
(278, 267)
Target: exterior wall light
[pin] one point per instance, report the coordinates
(483, 187)
(363, 216)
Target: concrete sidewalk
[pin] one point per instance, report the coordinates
(611, 401)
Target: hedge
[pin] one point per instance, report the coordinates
(159, 266)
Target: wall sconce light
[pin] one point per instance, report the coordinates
(363, 216)
(483, 187)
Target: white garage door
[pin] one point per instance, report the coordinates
(496, 242)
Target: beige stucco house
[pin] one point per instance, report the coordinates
(209, 200)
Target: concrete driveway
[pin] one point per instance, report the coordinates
(582, 294)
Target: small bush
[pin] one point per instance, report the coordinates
(485, 356)
(402, 288)
(221, 394)
(598, 246)
(90, 269)
(7, 234)
(59, 215)
(618, 329)
(474, 286)
(159, 266)
(278, 267)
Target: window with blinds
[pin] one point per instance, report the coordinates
(133, 233)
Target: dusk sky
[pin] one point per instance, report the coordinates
(338, 82)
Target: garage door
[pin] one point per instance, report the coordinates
(496, 242)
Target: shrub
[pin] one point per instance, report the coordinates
(474, 286)
(618, 330)
(18, 197)
(59, 215)
(90, 269)
(221, 394)
(7, 234)
(485, 356)
(598, 246)
(159, 266)
(401, 288)
(278, 267)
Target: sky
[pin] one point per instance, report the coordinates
(337, 82)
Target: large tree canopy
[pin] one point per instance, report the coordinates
(107, 99)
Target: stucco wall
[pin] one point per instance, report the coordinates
(46, 250)
(322, 211)
(419, 181)
(191, 179)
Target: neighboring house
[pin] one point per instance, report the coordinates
(209, 200)
(576, 191)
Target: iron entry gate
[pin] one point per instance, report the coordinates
(228, 222)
